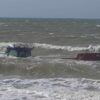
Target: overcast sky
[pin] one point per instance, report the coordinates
(50, 8)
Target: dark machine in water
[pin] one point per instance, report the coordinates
(88, 56)
(24, 50)
(18, 51)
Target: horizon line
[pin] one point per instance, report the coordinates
(49, 18)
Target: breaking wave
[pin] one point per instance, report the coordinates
(91, 48)
(98, 25)
(50, 89)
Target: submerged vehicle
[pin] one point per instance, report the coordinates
(18, 50)
(88, 56)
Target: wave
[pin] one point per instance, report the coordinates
(98, 25)
(58, 89)
(90, 48)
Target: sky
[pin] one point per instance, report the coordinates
(50, 8)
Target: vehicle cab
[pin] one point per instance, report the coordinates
(18, 51)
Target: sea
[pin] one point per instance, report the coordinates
(48, 74)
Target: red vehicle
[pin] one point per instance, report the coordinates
(88, 56)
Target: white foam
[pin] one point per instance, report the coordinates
(51, 33)
(90, 48)
(4, 44)
(98, 25)
(50, 89)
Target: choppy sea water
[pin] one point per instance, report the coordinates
(46, 75)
